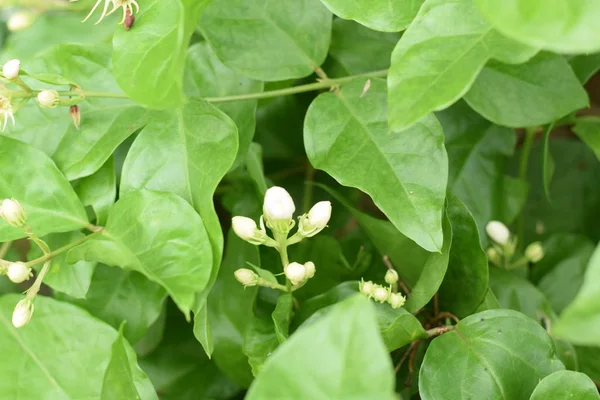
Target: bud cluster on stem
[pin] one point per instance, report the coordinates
(382, 294)
(278, 215)
(503, 248)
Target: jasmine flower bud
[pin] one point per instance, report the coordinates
(246, 277)
(278, 209)
(534, 252)
(48, 98)
(391, 277)
(11, 69)
(22, 313)
(295, 272)
(396, 300)
(310, 269)
(247, 230)
(498, 232)
(316, 219)
(18, 272)
(19, 21)
(366, 288)
(12, 212)
(381, 294)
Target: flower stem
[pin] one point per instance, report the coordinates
(523, 166)
(4, 248)
(51, 254)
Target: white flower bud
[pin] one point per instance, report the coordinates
(12, 212)
(48, 98)
(11, 69)
(278, 209)
(366, 288)
(316, 219)
(381, 294)
(19, 21)
(391, 276)
(498, 232)
(246, 229)
(534, 252)
(22, 313)
(18, 272)
(310, 269)
(295, 272)
(246, 277)
(493, 256)
(396, 300)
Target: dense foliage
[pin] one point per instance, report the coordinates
(300, 199)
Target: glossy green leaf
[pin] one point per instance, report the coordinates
(566, 384)
(439, 56)
(72, 279)
(149, 59)
(527, 94)
(267, 39)
(476, 151)
(123, 378)
(580, 321)
(490, 302)
(46, 369)
(493, 354)
(588, 130)
(585, 66)
(562, 26)
(50, 203)
(260, 341)
(159, 235)
(282, 316)
(356, 49)
(466, 281)
(324, 300)
(346, 134)
(347, 332)
(398, 327)
(116, 295)
(380, 15)
(207, 76)
(588, 361)
(99, 190)
(230, 308)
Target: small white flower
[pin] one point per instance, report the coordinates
(11, 69)
(246, 229)
(498, 232)
(534, 252)
(123, 4)
(22, 313)
(18, 272)
(381, 294)
(246, 277)
(48, 98)
(366, 288)
(19, 21)
(6, 111)
(391, 276)
(278, 204)
(310, 269)
(316, 219)
(13, 213)
(295, 272)
(396, 300)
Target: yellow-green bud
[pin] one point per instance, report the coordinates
(534, 252)
(391, 277)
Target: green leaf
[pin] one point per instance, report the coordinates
(588, 361)
(266, 39)
(347, 332)
(476, 151)
(282, 316)
(380, 15)
(466, 281)
(207, 76)
(588, 130)
(123, 378)
(159, 235)
(355, 49)
(50, 203)
(439, 56)
(517, 293)
(490, 302)
(149, 59)
(260, 341)
(324, 300)
(527, 94)
(585, 66)
(346, 134)
(493, 354)
(397, 326)
(562, 26)
(72, 279)
(579, 323)
(73, 366)
(116, 295)
(230, 312)
(565, 384)
(99, 190)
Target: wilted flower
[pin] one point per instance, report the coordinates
(124, 4)
(6, 111)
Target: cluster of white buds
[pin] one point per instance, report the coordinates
(126, 5)
(504, 246)
(382, 294)
(278, 216)
(13, 213)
